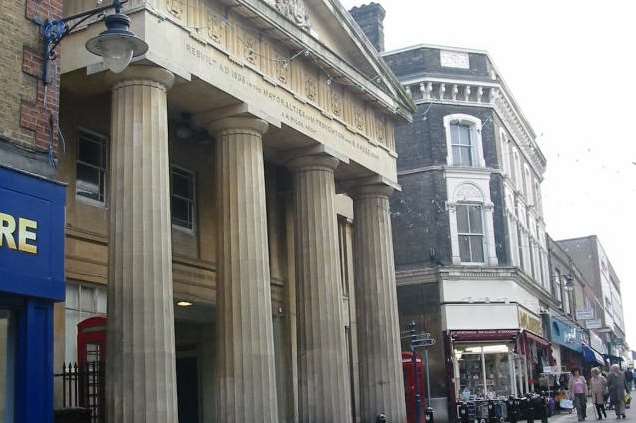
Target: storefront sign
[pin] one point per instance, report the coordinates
(31, 236)
(484, 335)
(24, 232)
(584, 314)
(566, 334)
(594, 324)
(529, 322)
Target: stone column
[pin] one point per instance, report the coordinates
(380, 361)
(246, 379)
(140, 374)
(324, 387)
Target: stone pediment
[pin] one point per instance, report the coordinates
(330, 24)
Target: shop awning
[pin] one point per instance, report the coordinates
(537, 339)
(592, 356)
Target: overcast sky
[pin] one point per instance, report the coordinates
(570, 65)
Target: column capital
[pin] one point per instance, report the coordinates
(140, 74)
(371, 186)
(313, 162)
(371, 190)
(235, 124)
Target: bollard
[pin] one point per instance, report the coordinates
(430, 415)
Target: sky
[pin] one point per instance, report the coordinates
(571, 66)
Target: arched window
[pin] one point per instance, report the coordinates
(463, 141)
(471, 225)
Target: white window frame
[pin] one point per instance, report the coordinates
(474, 234)
(475, 126)
(193, 200)
(470, 193)
(104, 170)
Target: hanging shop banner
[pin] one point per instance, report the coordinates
(584, 314)
(31, 236)
(566, 334)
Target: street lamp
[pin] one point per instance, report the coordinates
(569, 282)
(117, 45)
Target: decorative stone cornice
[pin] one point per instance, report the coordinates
(485, 94)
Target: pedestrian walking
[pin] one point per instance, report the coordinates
(629, 378)
(578, 394)
(598, 386)
(616, 385)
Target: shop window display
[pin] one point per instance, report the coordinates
(485, 371)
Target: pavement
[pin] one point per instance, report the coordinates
(630, 414)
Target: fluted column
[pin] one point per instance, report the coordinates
(324, 387)
(380, 363)
(246, 379)
(140, 374)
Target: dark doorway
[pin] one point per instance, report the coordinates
(188, 389)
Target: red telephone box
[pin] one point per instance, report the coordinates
(91, 341)
(410, 388)
(91, 352)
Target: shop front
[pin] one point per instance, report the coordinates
(31, 281)
(572, 337)
(492, 362)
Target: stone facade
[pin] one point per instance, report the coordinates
(192, 213)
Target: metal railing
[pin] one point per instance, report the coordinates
(83, 387)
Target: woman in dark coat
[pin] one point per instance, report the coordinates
(616, 385)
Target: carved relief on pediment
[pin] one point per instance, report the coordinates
(295, 11)
(311, 88)
(381, 128)
(250, 48)
(216, 28)
(176, 7)
(337, 101)
(359, 121)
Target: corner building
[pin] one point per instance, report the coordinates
(471, 255)
(228, 214)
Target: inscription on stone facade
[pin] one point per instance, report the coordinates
(305, 118)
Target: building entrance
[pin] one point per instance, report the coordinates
(6, 366)
(188, 389)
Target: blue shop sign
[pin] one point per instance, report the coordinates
(31, 280)
(31, 236)
(567, 335)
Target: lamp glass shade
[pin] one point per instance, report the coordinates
(117, 45)
(118, 53)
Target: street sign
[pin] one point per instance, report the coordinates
(594, 324)
(584, 314)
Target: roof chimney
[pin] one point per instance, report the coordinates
(370, 17)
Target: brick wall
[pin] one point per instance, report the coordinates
(27, 107)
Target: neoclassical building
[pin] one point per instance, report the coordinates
(228, 214)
